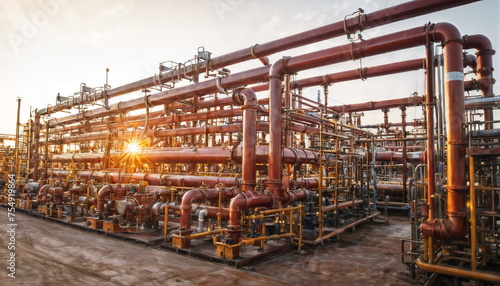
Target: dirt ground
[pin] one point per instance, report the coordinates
(48, 253)
(371, 255)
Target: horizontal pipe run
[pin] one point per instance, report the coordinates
(398, 156)
(364, 21)
(340, 230)
(214, 155)
(392, 68)
(458, 272)
(342, 205)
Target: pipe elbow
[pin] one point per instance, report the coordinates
(479, 42)
(278, 68)
(43, 190)
(446, 32)
(470, 61)
(237, 204)
(194, 195)
(103, 192)
(245, 96)
(452, 227)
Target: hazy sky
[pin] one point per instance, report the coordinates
(51, 46)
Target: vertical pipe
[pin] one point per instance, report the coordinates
(46, 159)
(484, 69)
(275, 131)
(36, 146)
(320, 185)
(405, 166)
(429, 104)
(287, 101)
(430, 156)
(454, 225)
(473, 217)
(386, 119)
(249, 139)
(15, 167)
(165, 224)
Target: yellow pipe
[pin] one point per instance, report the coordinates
(250, 241)
(301, 213)
(458, 272)
(473, 218)
(165, 224)
(220, 189)
(263, 232)
(265, 212)
(207, 233)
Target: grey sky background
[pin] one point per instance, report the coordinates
(52, 46)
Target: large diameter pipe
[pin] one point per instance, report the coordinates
(454, 226)
(164, 97)
(459, 272)
(417, 157)
(430, 158)
(342, 205)
(106, 191)
(215, 155)
(352, 25)
(484, 69)
(364, 73)
(247, 98)
(248, 198)
(454, 86)
(199, 196)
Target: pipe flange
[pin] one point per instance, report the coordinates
(457, 188)
(456, 214)
(273, 201)
(487, 52)
(455, 40)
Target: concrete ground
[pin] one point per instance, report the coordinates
(48, 253)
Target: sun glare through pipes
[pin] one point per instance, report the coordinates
(133, 147)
